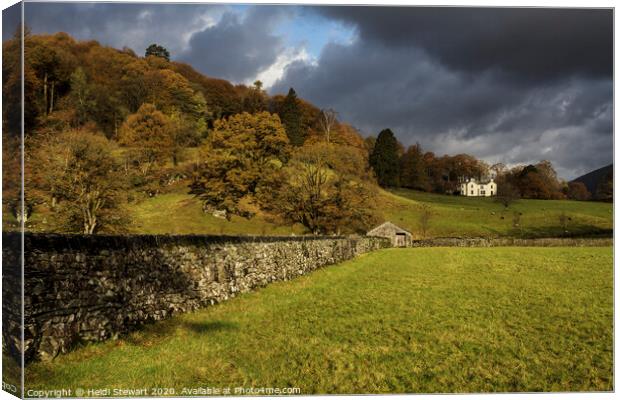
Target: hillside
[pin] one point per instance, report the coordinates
(149, 143)
(454, 216)
(178, 212)
(594, 178)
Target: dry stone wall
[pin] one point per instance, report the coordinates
(90, 288)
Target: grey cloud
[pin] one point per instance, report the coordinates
(511, 85)
(530, 43)
(214, 38)
(238, 48)
(375, 86)
(116, 24)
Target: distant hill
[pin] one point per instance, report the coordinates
(592, 179)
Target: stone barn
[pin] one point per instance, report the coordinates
(398, 236)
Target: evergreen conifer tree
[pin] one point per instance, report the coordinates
(384, 159)
(290, 115)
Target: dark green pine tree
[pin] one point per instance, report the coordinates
(384, 159)
(290, 115)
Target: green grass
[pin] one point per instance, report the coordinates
(453, 216)
(181, 213)
(178, 212)
(397, 320)
(458, 216)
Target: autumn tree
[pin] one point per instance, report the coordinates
(12, 180)
(134, 86)
(605, 188)
(538, 181)
(222, 98)
(533, 185)
(384, 159)
(12, 86)
(149, 135)
(81, 96)
(238, 154)
(577, 191)
(290, 116)
(413, 169)
(498, 169)
(507, 193)
(342, 159)
(369, 144)
(185, 132)
(254, 98)
(79, 168)
(157, 51)
(324, 201)
(53, 64)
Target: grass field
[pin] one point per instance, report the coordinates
(457, 216)
(397, 320)
(178, 212)
(453, 216)
(181, 213)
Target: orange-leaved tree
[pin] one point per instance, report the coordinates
(238, 154)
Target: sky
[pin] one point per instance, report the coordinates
(510, 85)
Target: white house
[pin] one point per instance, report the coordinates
(472, 188)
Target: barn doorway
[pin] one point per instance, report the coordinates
(401, 240)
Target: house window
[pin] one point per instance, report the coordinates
(491, 193)
(482, 192)
(472, 193)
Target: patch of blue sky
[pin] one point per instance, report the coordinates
(312, 32)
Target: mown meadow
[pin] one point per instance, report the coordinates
(422, 320)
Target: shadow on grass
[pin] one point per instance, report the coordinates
(208, 327)
(160, 331)
(572, 231)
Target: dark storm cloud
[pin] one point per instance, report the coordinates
(509, 85)
(237, 48)
(489, 114)
(531, 43)
(216, 39)
(116, 24)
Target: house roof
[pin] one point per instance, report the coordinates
(389, 226)
(483, 182)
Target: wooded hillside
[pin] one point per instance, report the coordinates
(107, 128)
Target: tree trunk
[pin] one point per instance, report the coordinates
(45, 93)
(52, 97)
(90, 223)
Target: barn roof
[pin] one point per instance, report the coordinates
(387, 226)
